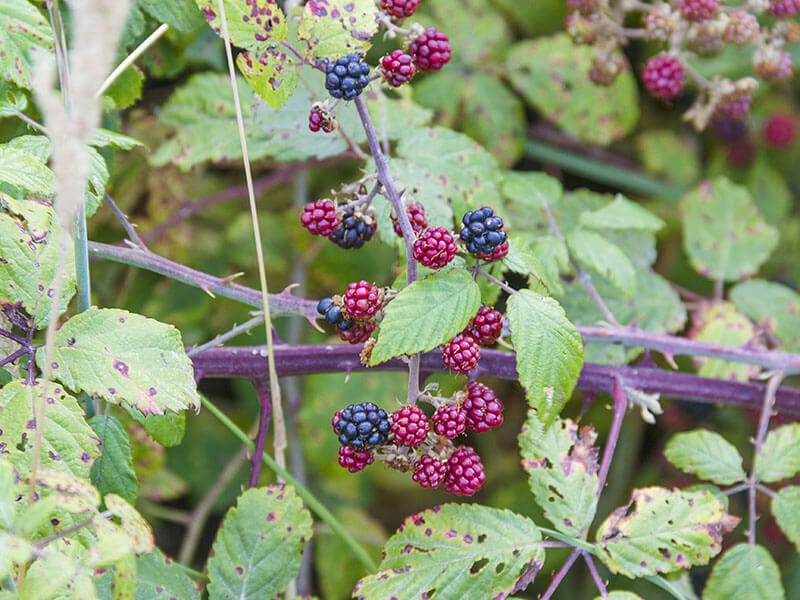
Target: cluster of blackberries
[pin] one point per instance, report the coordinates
(354, 312)
(482, 231)
(347, 76)
(346, 227)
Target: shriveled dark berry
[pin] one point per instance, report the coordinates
(363, 425)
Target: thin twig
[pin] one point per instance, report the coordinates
(129, 228)
(558, 577)
(598, 581)
(620, 407)
(228, 335)
(131, 58)
(501, 284)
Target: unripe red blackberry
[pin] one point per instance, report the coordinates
(449, 420)
(497, 254)
(358, 333)
(663, 76)
(416, 215)
(362, 300)
(772, 63)
(486, 326)
(482, 408)
(465, 474)
(742, 28)
(430, 50)
(314, 120)
(399, 8)
(320, 217)
(783, 8)
(461, 354)
(659, 23)
(429, 471)
(705, 39)
(698, 10)
(435, 247)
(398, 68)
(354, 460)
(410, 426)
(780, 130)
(736, 107)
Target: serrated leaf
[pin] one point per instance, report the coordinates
(427, 313)
(333, 28)
(706, 454)
(661, 531)
(549, 351)
(773, 306)
(592, 250)
(455, 552)
(252, 24)
(113, 471)
(68, 443)
(181, 15)
(724, 234)
(665, 153)
(159, 578)
(259, 546)
(132, 523)
(124, 357)
(26, 171)
(22, 28)
(167, 429)
(722, 325)
(780, 454)
(12, 100)
(745, 571)
(621, 213)
(561, 462)
(551, 73)
(272, 74)
(786, 510)
(126, 89)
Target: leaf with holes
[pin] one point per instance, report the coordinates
(549, 351)
(724, 235)
(427, 313)
(773, 306)
(706, 454)
(333, 28)
(272, 74)
(745, 571)
(252, 24)
(780, 454)
(661, 531)
(124, 357)
(786, 509)
(259, 546)
(457, 551)
(113, 470)
(722, 324)
(561, 462)
(68, 443)
(22, 28)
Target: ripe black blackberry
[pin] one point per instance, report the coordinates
(483, 231)
(362, 425)
(346, 77)
(353, 230)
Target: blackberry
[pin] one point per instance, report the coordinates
(742, 28)
(698, 10)
(461, 354)
(482, 408)
(331, 311)
(663, 76)
(736, 107)
(319, 217)
(483, 231)
(465, 474)
(362, 300)
(497, 254)
(416, 214)
(486, 326)
(358, 333)
(659, 23)
(783, 8)
(449, 420)
(314, 120)
(772, 63)
(410, 426)
(780, 130)
(354, 460)
(346, 77)
(429, 471)
(398, 68)
(320, 117)
(399, 8)
(353, 230)
(430, 50)
(363, 425)
(435, 247)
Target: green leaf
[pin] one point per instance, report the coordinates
(780, 454)
(665, 153)
(770, 191)
(745, 571)
(661, 531)
(786, 510)
(531, 190)
(621, 213)
(68, 443)
(26, 171)
(333, 28)
(167, 429)
(132, 523)
(124, 357)
(773, 306)
(272, 74)
(126, 89)
(706, 454)
(155, 577)
(427, 313)
(30, 241)
(457, 551)
(724, 235)
(113, 471)
(592, 250)
(549, 351)
(22, 28)
(721, 324)
(551, 73)
(8, 495)
(252, 24)
(12, 100)
(259, 546)
(13, 551)
(181, 15)
(105, 137)
(561, 462)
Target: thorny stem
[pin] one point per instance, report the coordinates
(262, 388)
(129, 228)
(228, 335)
(598, 581)
(620, 406)
(558, 577)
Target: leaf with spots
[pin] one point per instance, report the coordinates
(561, 462)
(132, 523)
(333, 28)
(68, 443)
(745, 571)
(272, 74)
(30, 242)
(549, 351)
(457, 551)
(124, 357)
(113, 471)
(22, 28)
(252, 24)
(725, 236)
(258, 549)
(155, 577)
(661, 531)
(779, 457)
(773, 306)
(722, 324)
